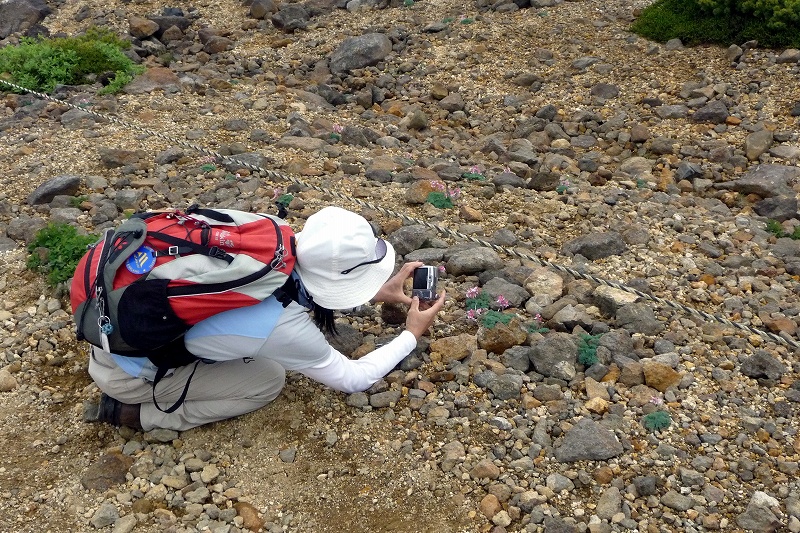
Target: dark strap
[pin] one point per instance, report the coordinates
(209, 213)
(186, 246)
(162, 371)
(282, 211)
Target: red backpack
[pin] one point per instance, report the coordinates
(144, 284)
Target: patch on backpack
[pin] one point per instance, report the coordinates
(141, 261)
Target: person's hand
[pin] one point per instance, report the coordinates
(421, 315)
(392, 291)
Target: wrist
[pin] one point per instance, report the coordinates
(413, 333)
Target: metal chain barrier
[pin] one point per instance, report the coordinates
(784, 338)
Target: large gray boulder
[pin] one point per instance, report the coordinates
(588, 441)
(359, 52)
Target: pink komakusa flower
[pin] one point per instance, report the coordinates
(473, 314)
(502, 302)
(337, 128)
(473, 292)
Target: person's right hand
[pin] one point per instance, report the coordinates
(421, 317)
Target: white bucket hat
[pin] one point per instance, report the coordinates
(341, 262)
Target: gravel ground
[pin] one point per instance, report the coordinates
(595, 156)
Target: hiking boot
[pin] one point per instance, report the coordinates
(112, 412)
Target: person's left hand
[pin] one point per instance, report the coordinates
(392, 291)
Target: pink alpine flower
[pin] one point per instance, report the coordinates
(473, 314)
(337, 128)
(473, 292)
(502, 302)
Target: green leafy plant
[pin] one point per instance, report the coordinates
(587, 349)
(656, 421)
(778, 14)
(76, 201)
(208, 167)
(476, 299)
(477, 305)
(491, 318)
(285, 199)
(774, 227)
(440, 200)
(41, 64)
(56, 250)
(773, 23)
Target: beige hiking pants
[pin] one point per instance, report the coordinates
(218, 391)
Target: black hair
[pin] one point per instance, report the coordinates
(323, 318)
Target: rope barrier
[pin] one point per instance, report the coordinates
(783, 338)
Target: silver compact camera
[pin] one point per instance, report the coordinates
(424, 286)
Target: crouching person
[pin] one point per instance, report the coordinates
(246, 352)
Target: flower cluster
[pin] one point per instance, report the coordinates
(473, 314)
(477, 305)
(453, 193)
(474, 173)
(538, 325)
(563, 185)
(337, 128)
(208, 163)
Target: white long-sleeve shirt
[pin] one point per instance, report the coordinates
(290, 337)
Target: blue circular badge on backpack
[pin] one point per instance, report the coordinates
(141, 261)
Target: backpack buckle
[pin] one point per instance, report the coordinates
(278, 262)
(217, 252)
(173, 250)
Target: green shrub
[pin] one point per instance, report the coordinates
(285, 199)
(491, 318)
(587, 349)
(440, 200)
(778, 14)
(656, 421)
(772, 23)
(41, 64)
(774, 227)
(56, 250)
